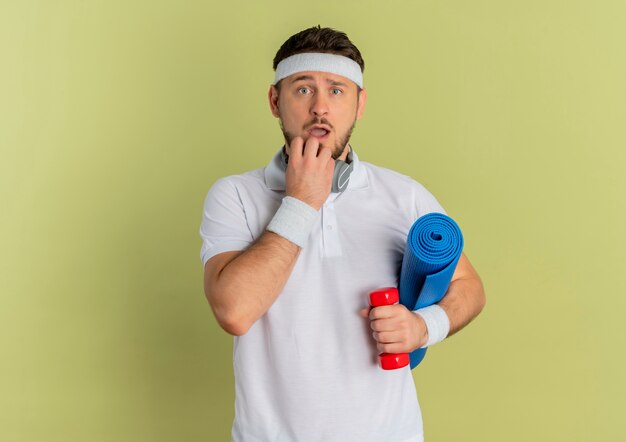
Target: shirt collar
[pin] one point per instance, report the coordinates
(275, 175)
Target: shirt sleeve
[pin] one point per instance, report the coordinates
(224, 227)
(426, 202)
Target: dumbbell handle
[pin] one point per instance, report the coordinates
(388, 296)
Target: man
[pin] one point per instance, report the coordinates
(291, 252)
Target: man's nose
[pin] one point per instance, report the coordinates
(319, 106)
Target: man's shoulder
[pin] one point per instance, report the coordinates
(250, 178)
(398, 187)
(386, 175)
(388, 181)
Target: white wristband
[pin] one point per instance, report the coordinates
(293, 220)
(437, 323)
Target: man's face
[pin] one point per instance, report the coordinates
(318, 104)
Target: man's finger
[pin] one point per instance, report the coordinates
(324, 152)
(296, 147)
(396, 347)
(310, 147)
(389, 337)
(383, 325)
(381, 312)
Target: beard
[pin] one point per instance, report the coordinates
(341, 139)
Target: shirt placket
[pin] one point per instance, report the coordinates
(330, 230)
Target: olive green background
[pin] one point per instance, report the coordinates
(117, 116)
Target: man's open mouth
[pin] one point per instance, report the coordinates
(319, 132)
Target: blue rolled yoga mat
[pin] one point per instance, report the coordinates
(433, 249)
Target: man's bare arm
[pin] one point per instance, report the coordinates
(397, 329)
(242, 286)
(465, 297)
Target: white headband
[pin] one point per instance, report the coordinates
(319, 62)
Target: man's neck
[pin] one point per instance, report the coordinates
(345, 152)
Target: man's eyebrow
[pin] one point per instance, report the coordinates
(302, 77)
(336, 83)
(328, 80)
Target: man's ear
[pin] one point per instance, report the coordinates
(272, 96)
(361, 105)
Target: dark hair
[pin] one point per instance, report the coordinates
(318, 39)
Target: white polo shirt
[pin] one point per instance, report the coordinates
(308, 369)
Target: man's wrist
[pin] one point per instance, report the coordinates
(422, 330)
(293, 220)
(437, 323)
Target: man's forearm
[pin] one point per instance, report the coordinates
(249, 284)
(463, 301)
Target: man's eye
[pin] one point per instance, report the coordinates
(336, 91)
(303, 90)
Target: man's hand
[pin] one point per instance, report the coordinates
(309, 172)
(396, 329)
